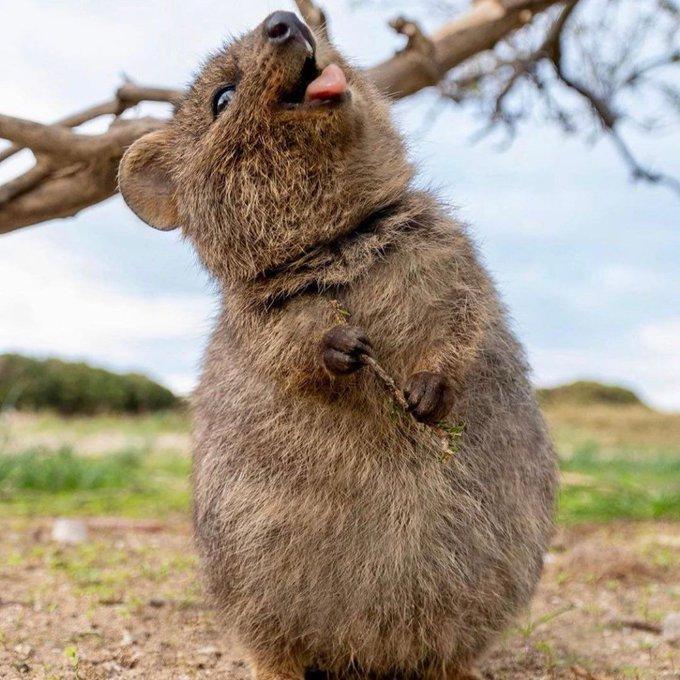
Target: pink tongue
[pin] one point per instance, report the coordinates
(329, 85)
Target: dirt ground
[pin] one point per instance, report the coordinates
(127, 603)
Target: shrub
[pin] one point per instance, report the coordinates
(76, 388)
(586, 392)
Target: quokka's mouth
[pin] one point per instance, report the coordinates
(316, 87)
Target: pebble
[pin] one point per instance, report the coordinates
(69, 531)
(127, 639)
(209, 651)
(670, 628)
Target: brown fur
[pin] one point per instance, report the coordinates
(331, 535)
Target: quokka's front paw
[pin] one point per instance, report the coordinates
(343, 349)
(429, 396)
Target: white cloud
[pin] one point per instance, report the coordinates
(560, 216)
(54, 304)
(620, 279)
(648, 361)
(663, 337)
(181, 383)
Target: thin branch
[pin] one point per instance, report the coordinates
(60, 196)
(59, 141)
(645, 68)
(417, 42)
(131, 94)
(113, 107)
(127, 95)
(48, 139)
(525, 67)
(608, 117)
(314, 16)
(645, 626)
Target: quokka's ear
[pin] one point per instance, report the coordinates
(146, 183)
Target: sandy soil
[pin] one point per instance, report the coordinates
(128, 604)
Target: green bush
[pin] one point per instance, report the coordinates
(588, 392)
(76, 388)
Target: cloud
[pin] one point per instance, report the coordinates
(587, 260)
(647, 360)
(663, 338)
(55, 304)
(622, 279)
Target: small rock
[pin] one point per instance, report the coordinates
(670, 628)
(23, 650)
(209, 651)
(127, 639)
(69, 531)
(112, 667)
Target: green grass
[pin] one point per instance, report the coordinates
(137, 483)
(601, 488)
(132, 482)
(147, 425)
(617, 463)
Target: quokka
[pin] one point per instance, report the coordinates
(332, 535)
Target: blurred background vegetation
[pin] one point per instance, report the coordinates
(76, 388)
(77, 440)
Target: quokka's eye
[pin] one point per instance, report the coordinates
(222, 98)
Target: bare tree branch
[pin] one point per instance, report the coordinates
(72, 171)
(313, 15)
(131, 94)
(127, 95)
(483, 55)
(113, 107)
(525, 68)
(608, 117)
(485, 24)
(25, 182)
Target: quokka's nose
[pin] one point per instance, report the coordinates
(282, 27)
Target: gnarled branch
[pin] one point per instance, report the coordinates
(74, 170)
(478, 30)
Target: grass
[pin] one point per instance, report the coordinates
(597, 488)
(617, 463)
(132, 482)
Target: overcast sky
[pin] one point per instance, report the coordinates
(588, 263)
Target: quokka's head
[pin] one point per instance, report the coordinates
(278, 145)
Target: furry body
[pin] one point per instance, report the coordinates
(331, 534)
(330, 530)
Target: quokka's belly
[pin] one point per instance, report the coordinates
(366, 547)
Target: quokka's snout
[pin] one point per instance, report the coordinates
(284, 28)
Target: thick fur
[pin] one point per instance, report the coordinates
(331, 534)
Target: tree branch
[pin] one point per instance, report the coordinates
(485, 24)
(72, 171)
(313, 15)
(608, 117)
(75, 170)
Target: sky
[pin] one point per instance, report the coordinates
(587, 262)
